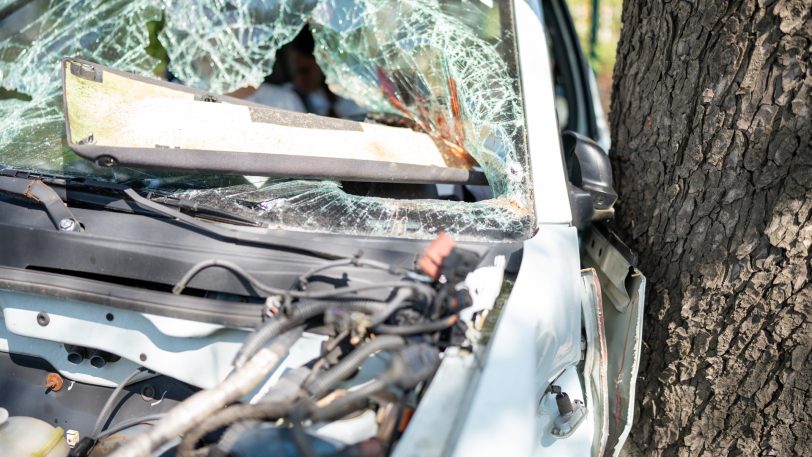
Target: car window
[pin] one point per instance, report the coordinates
(573, 104)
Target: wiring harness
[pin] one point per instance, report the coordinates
(420, 311)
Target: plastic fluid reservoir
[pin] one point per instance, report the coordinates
(22, 436)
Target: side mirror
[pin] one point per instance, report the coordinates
(590, 175)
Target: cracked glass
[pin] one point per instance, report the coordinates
(446, 68)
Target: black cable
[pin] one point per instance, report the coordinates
(108, 406)
(229, 415)
(354, 261)
(409, 366)
(233, 267)
(351, 401)
(231, 436)
(319, 386)
(398, 302)
(281, 323)
(276, 326)
(239, 271)
(300, 438)
(330, 293)
(302, 312)
(342, 406)
(424, 327)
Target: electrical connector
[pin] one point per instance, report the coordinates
(435, 254)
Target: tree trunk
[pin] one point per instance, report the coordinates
(712, 126)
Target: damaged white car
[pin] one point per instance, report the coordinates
(399, 249)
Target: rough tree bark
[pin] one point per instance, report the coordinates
(712, 125)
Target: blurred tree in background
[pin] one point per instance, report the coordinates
(602, 48)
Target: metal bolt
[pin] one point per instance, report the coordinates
(67, 224)
(106, 161)
(53, 382)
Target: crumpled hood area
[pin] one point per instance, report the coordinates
(449, 67)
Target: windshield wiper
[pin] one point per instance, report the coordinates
(54, 191)
(202, 211)
(37, 191)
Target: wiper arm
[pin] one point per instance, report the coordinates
(103, 194)
(223, 232)
(203, 211)
(36, 190)
(48, 190)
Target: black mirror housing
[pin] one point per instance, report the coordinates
(592, 193)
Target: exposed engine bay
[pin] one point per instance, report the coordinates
(336, 364)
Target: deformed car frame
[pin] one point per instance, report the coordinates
(541, 366)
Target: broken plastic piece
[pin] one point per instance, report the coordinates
(126, 118)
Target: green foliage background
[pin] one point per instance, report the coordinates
(608, 31)
(602, 57)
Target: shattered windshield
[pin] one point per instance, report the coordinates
(448, 68)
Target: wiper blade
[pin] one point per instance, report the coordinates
(202, 211)
(220, 231)
(56, 190)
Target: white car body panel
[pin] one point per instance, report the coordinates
(537, 337)
(543, 138)
(200, 361)
(497, 393)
